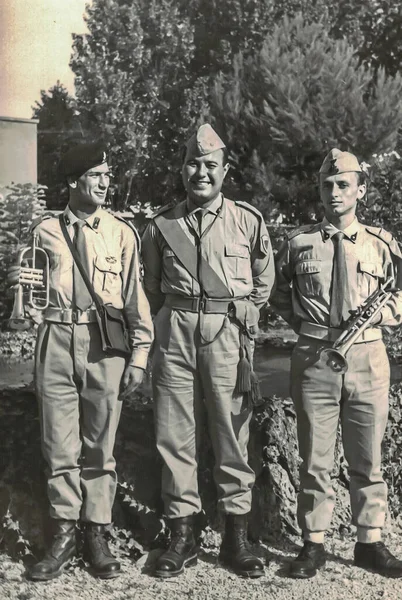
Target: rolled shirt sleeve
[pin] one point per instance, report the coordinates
(391, 314)
(152, 258)
(282, 296)
(136, 306)
(262, 267)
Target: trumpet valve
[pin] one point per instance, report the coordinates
(33, 277)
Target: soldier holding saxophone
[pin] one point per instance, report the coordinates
(323, 272)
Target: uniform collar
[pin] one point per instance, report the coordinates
(92, 221)
(214, 208)
(328, 230)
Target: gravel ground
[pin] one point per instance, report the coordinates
(208, 580)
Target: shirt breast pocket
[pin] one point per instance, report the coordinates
(238, 261)
(309, 277)
(369, 274)
(107, 275)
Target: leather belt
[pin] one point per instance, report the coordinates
(70, 316)
(197, 304)
(331, 334)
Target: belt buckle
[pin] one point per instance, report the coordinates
(74, 316)
(201, 305)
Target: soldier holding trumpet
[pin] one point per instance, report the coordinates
(324, 271)
(79, 385)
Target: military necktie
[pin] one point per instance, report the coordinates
(82, 297)
(200, 215)
(340, 282)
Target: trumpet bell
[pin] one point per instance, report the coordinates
(334, 360)
(17, 320)
(19, 324)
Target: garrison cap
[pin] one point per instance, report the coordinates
(337, 162)
(205, 141)
(79, 159)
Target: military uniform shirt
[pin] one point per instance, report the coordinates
(234, 242)
(113, 257)
(304, 271)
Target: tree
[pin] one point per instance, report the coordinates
(288, 105)
(131, 81)
(373, 27)
(143, 78)
(59, 126)
(381, 30)
(146, 71)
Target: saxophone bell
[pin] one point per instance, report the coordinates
(334, 360)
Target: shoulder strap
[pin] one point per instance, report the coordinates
(249, 207)
(380, 233)
(39, 220)
(132, 227)
(302, 229)
(163, 209)
(79, 265)
(189, 256)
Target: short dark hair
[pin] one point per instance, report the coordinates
(362, 178)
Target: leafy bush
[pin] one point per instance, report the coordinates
(392, 452)
(383, 205)
(20, 204)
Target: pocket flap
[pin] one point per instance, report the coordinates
(114, 313)
(375, 269)
(239, 250)
(108, 263)
(308, 266)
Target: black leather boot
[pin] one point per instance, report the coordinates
(62, 549)
(376, 557)
(182, 551)
(98, 554)
(235, 550)
(311, 557)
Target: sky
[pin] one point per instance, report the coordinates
(35, 49)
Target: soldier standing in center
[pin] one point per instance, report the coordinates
(208, 270)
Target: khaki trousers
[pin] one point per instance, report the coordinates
(190, 376)
(77, 389)
(360, 399)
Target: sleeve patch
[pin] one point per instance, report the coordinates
(264, 244)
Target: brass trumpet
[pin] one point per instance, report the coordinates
(357, 323)
(33, 282)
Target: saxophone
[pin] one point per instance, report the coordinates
(358, 322)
